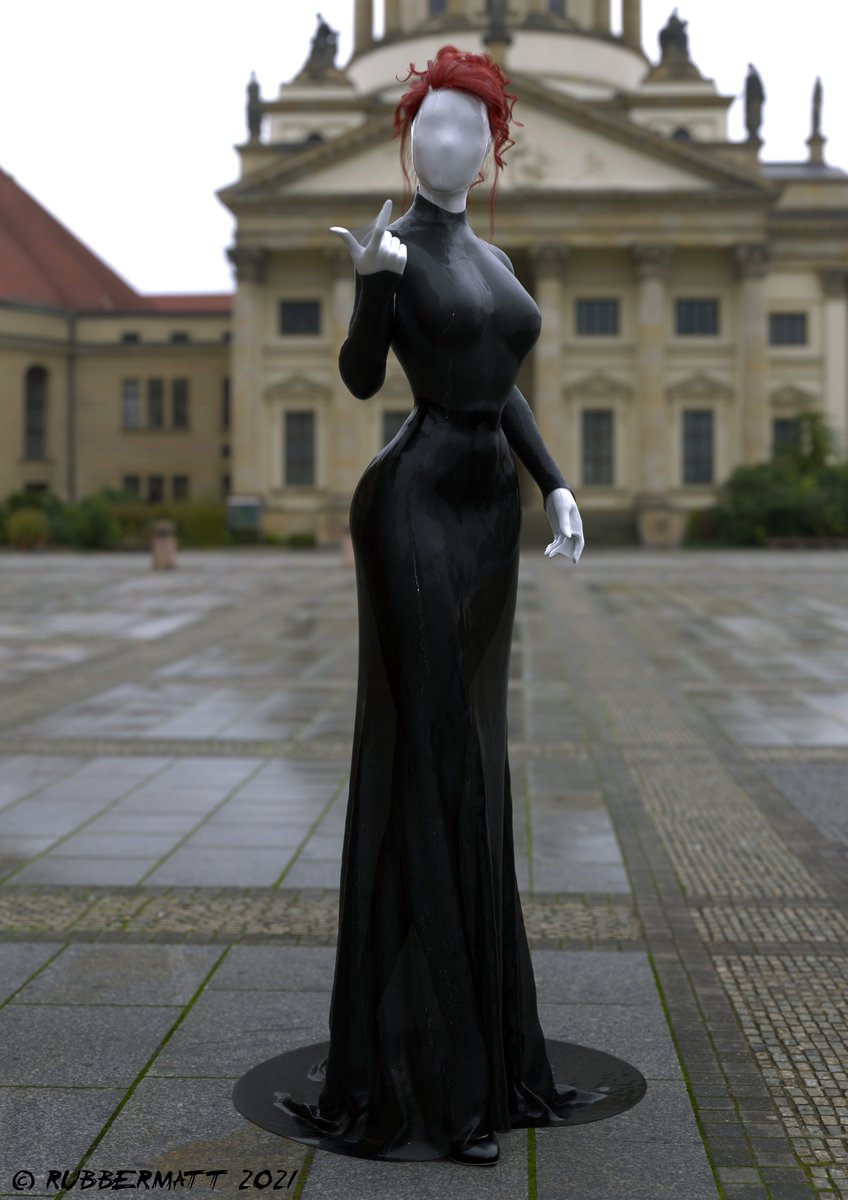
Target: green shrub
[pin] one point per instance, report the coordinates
(95, 524)
(27, 527)
(201, 522)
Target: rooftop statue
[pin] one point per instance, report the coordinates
(674, 38)
(754, 99)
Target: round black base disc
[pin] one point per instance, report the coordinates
(300, 1073)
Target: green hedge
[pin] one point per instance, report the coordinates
(111, 519)
(800, 493)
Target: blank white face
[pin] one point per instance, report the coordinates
(449, 136)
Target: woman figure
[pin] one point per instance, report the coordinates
(435, 1039)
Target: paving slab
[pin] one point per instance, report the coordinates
(19, 961)
(192, 1124)
(49, 1128)
(56, 1045)
(108, 973)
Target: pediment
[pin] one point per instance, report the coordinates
(792, 399)
(564, 144)
(297, 387)
(598, 386)
(699, 386)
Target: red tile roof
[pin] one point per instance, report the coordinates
(42, 262)
(200, 302)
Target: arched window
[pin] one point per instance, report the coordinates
(35, 413)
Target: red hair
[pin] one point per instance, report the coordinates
(476, 74)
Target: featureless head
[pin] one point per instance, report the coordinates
(449, 138)
(470, 77)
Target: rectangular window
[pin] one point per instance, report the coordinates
(225, 402)
(438, 7)
(132, 483)
(180, 337)
(155, 403)
(225, 485)
(300, 316)
(697, 445)
(597, 317)
(155, 488)
(300, 448)
(597, 446)
(697, 317)
(786, 434)
(131, 404)
(788, 328)
(130, 339)
(179, 487)
(179, 402)
(392, 421)
(557, 7)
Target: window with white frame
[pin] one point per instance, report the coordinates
(597, 446)
(698, 447)
(697, 317)
(788, 329)
(131, 403)
(299, 448)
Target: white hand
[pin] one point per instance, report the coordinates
(566, 523)
(381, 252)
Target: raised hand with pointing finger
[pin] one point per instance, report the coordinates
(381, 251)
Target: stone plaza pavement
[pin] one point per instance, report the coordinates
(175, 748)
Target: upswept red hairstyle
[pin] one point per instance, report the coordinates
(476, 74)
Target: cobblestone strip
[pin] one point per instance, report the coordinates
(270, 915)
(653, 763)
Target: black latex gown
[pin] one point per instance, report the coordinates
(434, 1033)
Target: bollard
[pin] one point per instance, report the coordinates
(164, 545)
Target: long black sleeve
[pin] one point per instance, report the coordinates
(523, 435)
(362, 358)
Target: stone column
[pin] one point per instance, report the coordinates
(392, 18)
(836, 355)
(347, 415)
(248, 436)
(363, 26)
(752, 266)
(602, 16)
(631, 23)
(548, 407)
(655, 450)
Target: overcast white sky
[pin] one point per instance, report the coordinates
(121, 118)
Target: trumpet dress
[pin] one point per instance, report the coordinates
(434, 1031)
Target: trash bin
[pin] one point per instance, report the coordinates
(163, 545)
(244, 517)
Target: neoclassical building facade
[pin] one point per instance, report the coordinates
(101, 386)
(693, 296)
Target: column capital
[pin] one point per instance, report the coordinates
(549, 259)
(651, 258)
(249, 263)
(834, 283)
(751, 260)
